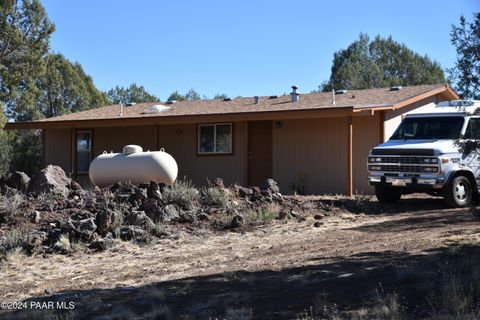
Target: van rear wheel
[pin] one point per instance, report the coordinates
(387, 195)
(458, 192)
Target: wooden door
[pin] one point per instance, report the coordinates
(260, 159)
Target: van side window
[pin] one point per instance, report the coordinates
(473, 129)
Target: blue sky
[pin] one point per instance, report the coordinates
(242, 48)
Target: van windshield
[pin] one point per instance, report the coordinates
(435, 128)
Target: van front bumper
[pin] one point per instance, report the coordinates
(408, 182)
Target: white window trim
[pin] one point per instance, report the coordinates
(89, 150)
(214, 138)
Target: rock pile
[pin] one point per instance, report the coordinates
(58, 213)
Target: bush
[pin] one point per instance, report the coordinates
(182, 194)
(264, 214)
(215, 197)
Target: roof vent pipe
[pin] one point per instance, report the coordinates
(121, 110)
(294, 94)
(333, 96)
(257, 99)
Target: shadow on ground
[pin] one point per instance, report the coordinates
(362, 280)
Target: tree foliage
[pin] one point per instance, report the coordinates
(133, 93)
(24, 42)
(66, 88)
(466, 74)
(379, 63)
(189, 96)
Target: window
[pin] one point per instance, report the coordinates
(473, 129)
(429, 128)
(84, 151)
(215, 138)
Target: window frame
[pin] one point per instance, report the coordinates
(214, 153)
(468, 128)
(90, 131)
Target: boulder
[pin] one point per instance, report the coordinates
(153, 191)
(270, 185)
(101, 244)
(104, 221)
(84, 227)
(244, 192)
(131, 232)
(169, 213)
(238, 221)
(74, 185)
(18, 180)
(50, 179)
(139, 219)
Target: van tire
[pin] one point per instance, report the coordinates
(387, 195)
(458, 193)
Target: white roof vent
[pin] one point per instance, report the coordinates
(341, 91)
(156, 108)
(131, 104)
(396, 88)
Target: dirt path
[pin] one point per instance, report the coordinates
(279, 269)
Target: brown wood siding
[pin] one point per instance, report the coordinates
(366, 135)
(180, 141)
(316, 148)
(57, 146)
(115, 138)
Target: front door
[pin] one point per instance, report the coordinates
(260, 160)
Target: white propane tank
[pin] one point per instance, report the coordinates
(133, 165)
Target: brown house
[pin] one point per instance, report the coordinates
(315, 143)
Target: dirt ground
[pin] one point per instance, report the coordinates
(284, 270)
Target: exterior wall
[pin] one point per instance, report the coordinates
(314, 148)
(115, 138)
(181, 142)
(394, 117)
(366, 135)
(57, 146)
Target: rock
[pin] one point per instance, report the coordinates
(36, 240)
(238, 221)
(318, 224)
(244, 192)
(131, 232)
(104, 221)
(294, 214)
(84, 227)
(138, 197)
(18, 180)
(186, 217)
(153, 191)
(169, 213)
(140, 219)
(318, 216)
(202, 216)
(101, 244)
(35, 216)
(270, 185)
(74, 185)
(50, 179)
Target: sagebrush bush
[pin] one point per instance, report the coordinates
(215, 197)
(264, 214)
(182, 194)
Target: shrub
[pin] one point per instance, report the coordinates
(182, 194)
(216, 197)
(264, 214)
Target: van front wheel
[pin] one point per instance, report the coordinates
(458, 192)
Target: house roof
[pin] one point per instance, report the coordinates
(353, 101)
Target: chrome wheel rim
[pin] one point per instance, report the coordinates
(461, 192)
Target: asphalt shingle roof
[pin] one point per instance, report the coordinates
(357, 99)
